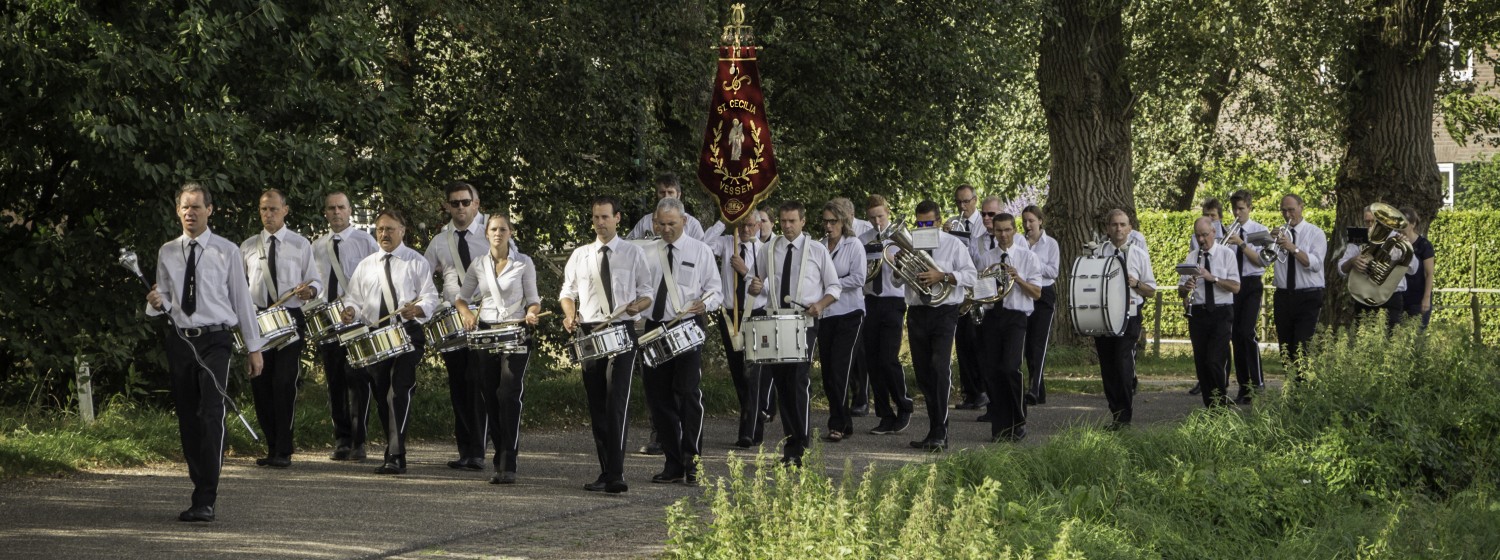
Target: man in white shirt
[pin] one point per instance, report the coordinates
(1210, 293)
(1002, 334)
(1039, 323)
(336, 255)
(687, 289)
(1116, 353)
(213, 298)
(1214, 211)
(450, 254)
(1243, 338)
(668, 186)
(930, 324)
(1355, 261)
(607, 284)
(279, 264)
(1298, 273)
(885, 305)
(393, 286)
(795, 270)
(737, 266)
(966, 334)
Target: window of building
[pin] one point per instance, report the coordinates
(1447, 176)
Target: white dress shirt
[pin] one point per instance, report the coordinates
(973, 225)
(723, 248)
(1221, 265)
(691, 227)
(1248, 268)
(951, 256)
(1311, 240)
(862, 226)
(1352, 250)
(411, 275)
(694, 272)
(813, 281)
(511, 292)
(886, 276)
(1048, 254)
(354, 245)
(294, 265)
(630, 276)
(1137, 265)
(849, 265)
(443, 257)
(223, 297)
(1026, 264)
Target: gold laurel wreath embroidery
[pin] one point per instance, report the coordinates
(739, 183)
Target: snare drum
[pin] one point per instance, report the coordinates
(323, 320)
(604, 343)
(501, 340)
(663, 344)
(276, 326)
(378, 345)
(445, 332)
(1098, 298)
(777, 339)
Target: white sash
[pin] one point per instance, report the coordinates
(487, 269)
(338, 265)
(453, 252)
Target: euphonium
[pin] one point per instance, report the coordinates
(1382, 249)
(912, 261)
(1003, 284)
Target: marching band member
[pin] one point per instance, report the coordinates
(1244, 341)
(450, 254)
(966, 333)
(1301, 247)
(1214, 211)
(735, 270)
(214, 298)
(687, 286)
(278, 260)
(859, 375)
(1039, 322)
(842, 320)
(1116, 353)
(336, 255)
(885, 306)
(1003, 330)
(1419, 280)
(607, 283)
(393, 285)
(930, 325)
(1353, 259)
(668, 187)
(503, 283)
(795, 270)
(1210, 294)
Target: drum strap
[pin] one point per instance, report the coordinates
(487, 270)
(453, 242)
(338, 265)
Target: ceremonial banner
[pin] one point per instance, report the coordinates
(737, 165)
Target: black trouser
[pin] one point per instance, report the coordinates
(836, 356)
(1117, 368)
(502, 381)
(1209, 329)
(674, 395)
(930, 332)
(1296, 321)
(859, 375)
(966, 342)
(793, 389)
(884, 320)
(395, 381)
(1038, 334)
(468, 407)
(746, 378)
(606, 383)
(1002, 338)
(200, 406)
(1245, 341)
(348, 395)
(275, 391)
(1395, 310)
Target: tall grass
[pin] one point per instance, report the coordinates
(1390, 449)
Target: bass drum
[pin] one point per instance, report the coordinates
(1098, 297)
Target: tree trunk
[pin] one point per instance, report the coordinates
(1085, 93)
(1205, 126)
(1388, 136)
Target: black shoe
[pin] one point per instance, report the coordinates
(884, 427)
(985, 418)
(931, 444)
(615, 487)
(966, 405)
(459, 463)
(391, 467)
(1135, 383)
(474, 463)
(595, 486)
(1030, 399)
(197, 514)
(1196, 390)
(665, 477)
(691, 480)
(744, 443)
(981, 402)
(1014, 436)
(900, 423)
(341, 454)
(507, 477)
(652, 448)
(357, 454)
(279, 462)
(264, 461)
(860, 411)
(795, 462)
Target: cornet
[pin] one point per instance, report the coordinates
(1272, 252)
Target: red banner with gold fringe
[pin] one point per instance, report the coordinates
(737, 165)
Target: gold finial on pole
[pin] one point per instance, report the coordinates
(737, 33)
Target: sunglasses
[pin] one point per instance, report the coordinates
(463, 203)
(989, 214)
(926, 223)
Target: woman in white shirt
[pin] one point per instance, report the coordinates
(504, 285)
(841, 321)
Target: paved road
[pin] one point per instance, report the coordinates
(322, 509)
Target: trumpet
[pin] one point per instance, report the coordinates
(1272, 252)
(974, 307)
(1233, 231)
(912, 261)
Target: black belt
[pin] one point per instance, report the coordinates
(1213, 307)
(195, 332)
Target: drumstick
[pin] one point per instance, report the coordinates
(788, 299)
(611, 318)
(519, 321)
(674, 320)
(288, 295)
(396, 312)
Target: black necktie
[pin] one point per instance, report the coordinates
(463, 248)
(879, 277)
(739, 286)
(992, 242)
(786, 275)
(660, 307)
(190, 281)
(271, 266)
(391, 284)
(604, 278)
(333, 275)
(1291, 263)
(1208, 289)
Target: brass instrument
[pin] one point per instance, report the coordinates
(912, 261)
(1272, 252)
(873, 266)
(1187, 298)
(1381, 276)
(1233, 231)
(973, 306)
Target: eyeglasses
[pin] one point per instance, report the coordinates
(989, 214)
(926, 223)
(964, 200)
(461, 203)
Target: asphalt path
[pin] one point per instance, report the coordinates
(324, 509)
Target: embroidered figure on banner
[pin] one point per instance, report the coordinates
(736, 140)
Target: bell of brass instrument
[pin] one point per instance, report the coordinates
(873, 266)
(912, 261)
(1382, 250)
(973, 306)
(1272, 252)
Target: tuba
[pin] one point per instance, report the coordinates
(912, 261)
(973, 306)
(1376, 285)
